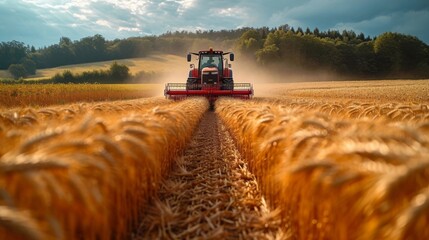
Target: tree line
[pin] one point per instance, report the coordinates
(117, 73)
(283, 48)
(390, 55)
(23, 60)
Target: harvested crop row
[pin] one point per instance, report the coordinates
(89, 177)
(411, 112)
(335, 179)
(210, 194)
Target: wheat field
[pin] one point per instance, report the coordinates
(313, 161)
(84, 171)
(43, 95)
(337, 170)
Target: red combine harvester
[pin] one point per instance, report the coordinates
(212, 79)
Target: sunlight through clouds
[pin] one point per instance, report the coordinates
(234, 12)
(104, 23)
(135, 7)
(184, 5)
(43, 22)
(80, 16)
(127, 29)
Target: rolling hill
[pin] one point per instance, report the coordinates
(159, 63)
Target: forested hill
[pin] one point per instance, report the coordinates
(282, 49)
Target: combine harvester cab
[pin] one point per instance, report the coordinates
(211, 79)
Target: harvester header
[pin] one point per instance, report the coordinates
(212, 78)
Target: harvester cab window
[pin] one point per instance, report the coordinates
(211, 61)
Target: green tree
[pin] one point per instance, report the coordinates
(268, 54)
(315, 53)
(29, 65)
(398, 53)
(68, 77)
(11, 53)
(119, 73)
(17, 71)
(132, 47)
(316, 32)
(250, 42)
(274, 38)
(386, 47)
(65, 41)
(366, 59)
(348, 58)
(361, 37)
(90, 49)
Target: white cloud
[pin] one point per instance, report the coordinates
(184, 5)
(80, 16)
(126, 18)
(135, 7)
(128, 29)
(87, 11)
(103, 23)
(403, 22)
(234, 12)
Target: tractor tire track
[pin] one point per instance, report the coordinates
(210, 194)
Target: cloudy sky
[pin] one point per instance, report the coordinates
(43, 22)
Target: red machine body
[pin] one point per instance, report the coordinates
(212, 78)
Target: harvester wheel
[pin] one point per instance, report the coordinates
(228, 84)
(191, 84)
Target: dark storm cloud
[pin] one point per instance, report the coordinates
(43, 22)
(329, 13)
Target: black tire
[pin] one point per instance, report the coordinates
(191, 84)
(228, 84)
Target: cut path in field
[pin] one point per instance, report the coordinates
(210, 194)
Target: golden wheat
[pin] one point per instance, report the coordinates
(335, 176)
(410, 112)
(42, 95)
(329, 169)
(86, 170)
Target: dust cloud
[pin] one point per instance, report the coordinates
(266, 81)
(166, 69)
(176, 73)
